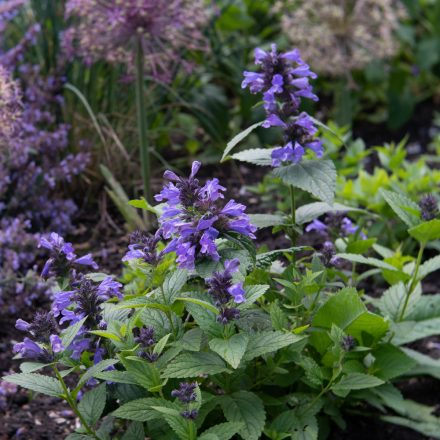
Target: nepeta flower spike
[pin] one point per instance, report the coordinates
(284, 82)
(195, 216)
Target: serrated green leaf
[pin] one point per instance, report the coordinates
(246, 408)
(355, 258)
(116, 376)
(191, 340)
(426, 231)
(141, 410)
(255, 156)
(266, 220)
(206, 320)
(105, 334)
(311, 211)
(36, 382)
(144, 373)
(223, 431)
(194, 364)
(30, 367)
(238, 138)
(317, 177)
(252, 293)
(267, 342)
(403, 206)
(356, 381)
(173, 284)
(232, 349)
(92, 404)
(69, 334)
(429, 266)
(159, 347)
(410, 331)
(199, 302)
(390, 362)
(97, 368)
(134, 432)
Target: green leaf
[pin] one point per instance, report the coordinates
(424, 307)
(355, 258)
(223, 431)
(134, 432)
(159, 347)
(232, 349)
(199, 302)
(173, 284)
(159, 321)
(407, 210)
(143, 204)
(346, 310)
(69, 335)
(92, 404)
(255, 156)
(252, 293)
(97, 368)
(141, 410)
(116, 376)
(267, 342)
(191, 340)
(266, 220)
(30, 367)
(360, 246)
(390, 362)
(429, 266)
(317, 177)
(206, 320)
(426, 231)
(425, 365)
(106, 334)
(238, 138)
(181, 426)
(246, 408)
(36, 382)
(392, 300)
(309, 212)
(410, 331)
(356, 381)
(194, 364)
(144, 373)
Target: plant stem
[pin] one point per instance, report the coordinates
(142, 122)
(292, 204)
(71, 401)
(414, 280)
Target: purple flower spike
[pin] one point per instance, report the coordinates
(284, 82)
(195, 216)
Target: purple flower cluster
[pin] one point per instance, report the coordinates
(43, 330)
(195, 216)
(146, 340)
(110, 30)
(33, 160)
(225, 292)
(144, 246)
(62, 256)
(186, 394)
(429, 207)
(284, 82)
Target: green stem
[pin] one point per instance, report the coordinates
(292, 204)
(71, 401)
(142, 122)
(414, 280)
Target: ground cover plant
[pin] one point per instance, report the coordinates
(281, 288)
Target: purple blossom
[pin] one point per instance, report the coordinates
(284, 81)
(110, 30)
(225, 292)
(144, 246)
(335, 223)
(429, 207)
(195, 216)
(62, 256)
(186, 392)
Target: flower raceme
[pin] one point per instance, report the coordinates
(62, 256)
(284, 82)
(194, 216)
